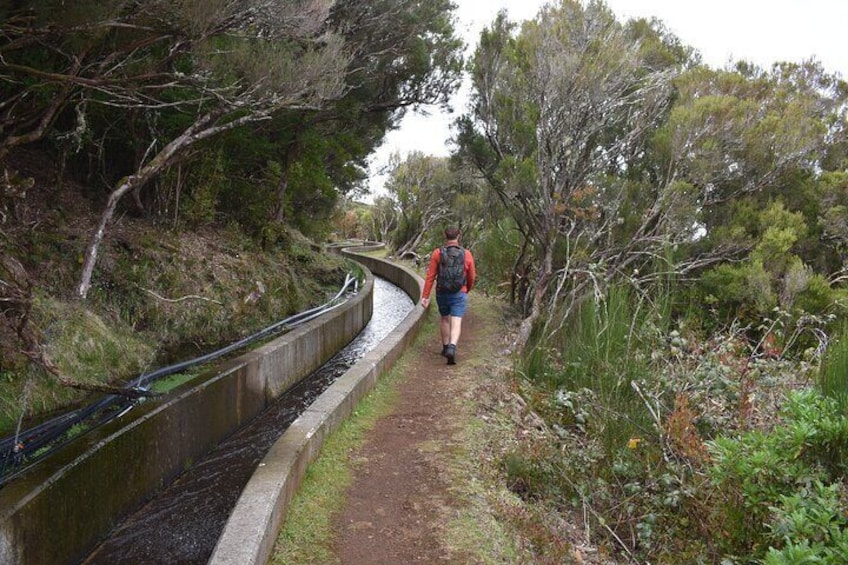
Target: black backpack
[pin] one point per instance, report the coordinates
(451, 269)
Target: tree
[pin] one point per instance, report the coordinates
(339, 72)
(383, 215)
(746, 149)
(227, 63)
(423, 189)
(616, 153)
(556, 109)
(745, 132)
(403, 53)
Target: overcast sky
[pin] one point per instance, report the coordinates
(761, 31)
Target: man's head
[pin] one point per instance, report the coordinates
(451, 233)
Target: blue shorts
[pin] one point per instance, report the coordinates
(452, 303)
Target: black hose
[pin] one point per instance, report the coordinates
(22, 447)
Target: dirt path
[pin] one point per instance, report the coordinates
(400, 496)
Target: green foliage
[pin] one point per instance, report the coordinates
(758, 471)
(425, 191)
(171, 382)
(810, 526)
(817, 295)
(733, 292)
(494, 252)
(773, 277)
(833, 374)
(591, 371)
(729, 188)
(780, 230)
(632, 408)
(310, 110)
(88, 347)
(207, 183)
(161, 296)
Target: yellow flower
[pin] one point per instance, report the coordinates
(633, 442)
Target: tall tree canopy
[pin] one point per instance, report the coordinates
(423, 189)
(168, 76)
(558, 108)
(613, 149)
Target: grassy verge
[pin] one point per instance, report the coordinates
(482, 528)
(678, 448)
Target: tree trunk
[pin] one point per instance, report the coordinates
(519, 275)
(539, 293)
(126, 184)
(201, 129)
(291, 154)
(279, 215)
(413, 243)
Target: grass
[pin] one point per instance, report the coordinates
(596, 361)
(833, 377)
(171, 382)
(708, 481)
(482, 527)
(90, 348)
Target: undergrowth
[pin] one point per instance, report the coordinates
(158, 297)
(681, 449)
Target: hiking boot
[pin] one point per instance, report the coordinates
(450, 353)
(444, 350)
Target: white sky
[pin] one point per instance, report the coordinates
(761, 31)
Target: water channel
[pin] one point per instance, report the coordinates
(183, 522)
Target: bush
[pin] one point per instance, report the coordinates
(810, 527)
(599, 357)
(759, 472)
(675, 443)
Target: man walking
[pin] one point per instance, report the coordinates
(452, 270)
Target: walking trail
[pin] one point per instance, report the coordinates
(427, 483)
(401, 500)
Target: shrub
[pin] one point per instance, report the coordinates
(673, 445)
(810, 527)
(758, 471)
(597, 359)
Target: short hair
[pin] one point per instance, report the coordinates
(451, 233)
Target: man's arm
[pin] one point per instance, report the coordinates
(470, 272)
(432, 271)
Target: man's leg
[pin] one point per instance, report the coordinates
(445, 331)
(455, 326)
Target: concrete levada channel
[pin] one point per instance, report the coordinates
(183, 522)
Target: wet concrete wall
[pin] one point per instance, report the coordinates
(251, 531)
(57, 512)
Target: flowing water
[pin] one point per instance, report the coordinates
(183, 523)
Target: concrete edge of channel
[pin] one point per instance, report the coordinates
(252, 528)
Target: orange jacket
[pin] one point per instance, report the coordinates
(433, 270)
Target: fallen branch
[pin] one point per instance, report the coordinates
(187, 297)
(37, 356)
